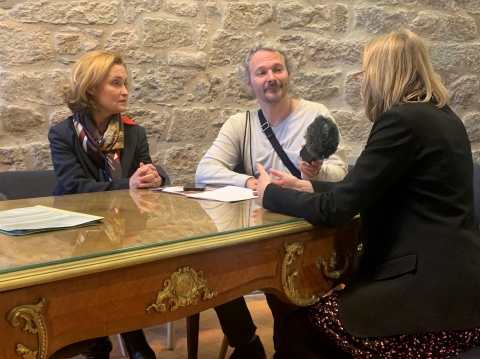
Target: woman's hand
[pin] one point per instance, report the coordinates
(285, 179)
(288, 181)
(263, 181)
(146, 176)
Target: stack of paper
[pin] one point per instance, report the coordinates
(35, 219)
(223, 194)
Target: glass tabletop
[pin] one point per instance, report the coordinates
(133, 219)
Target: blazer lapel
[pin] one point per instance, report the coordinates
(128, 152)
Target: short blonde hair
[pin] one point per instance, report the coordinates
(87, 73)
(398, 70)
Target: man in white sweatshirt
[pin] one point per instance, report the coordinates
(266, 71)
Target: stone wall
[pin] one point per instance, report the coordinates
(182, 55)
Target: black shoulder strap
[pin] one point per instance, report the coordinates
(276, 145)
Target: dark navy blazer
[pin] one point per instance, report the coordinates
(76, 173)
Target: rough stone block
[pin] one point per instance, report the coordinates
(188, 124)
(157, 86)
(242, 15)
(352, 92)
(67, 43)
(182, 8)
(24, 45)
(211, 9)
(201, 36)
(160, 32)
(471, 6)
(295, 15)
(20, 120)
(12, 159)
(472, 124)
(73, 12)
(473, 57)
(353, 126)
(464, 92)
(182, 160)
(235, 89)
(229, 48)
(132, 8)
(424, 24)
(40, 153)
(93, 32)
(59, 116)
(340, 18)
(224, 115)
(457, 28)
(126, 42)
(295, 48)
(314, 86)
(209, 87)
(446, 57)
(379, 20)
(187, 59)
(153, 121)
(385, 2)
(434, 3)
(44, 88)
(183, 74)
(327, 51)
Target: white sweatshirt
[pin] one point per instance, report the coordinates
(230, 149)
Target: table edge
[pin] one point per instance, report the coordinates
(85, 266)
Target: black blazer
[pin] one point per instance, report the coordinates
(76, 173)
(419, 270)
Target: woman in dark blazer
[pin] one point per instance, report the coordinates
(97, 149)
(415, 288)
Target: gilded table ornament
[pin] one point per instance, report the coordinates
(322, 265)
(34, 324)
(181, 290)
(288, 285)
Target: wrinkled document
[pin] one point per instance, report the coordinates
(21, 221)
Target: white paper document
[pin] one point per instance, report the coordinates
(28, 220)
(226, 194)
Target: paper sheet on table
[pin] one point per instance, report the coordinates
(28, 220)
(226, 194)
(173, 189)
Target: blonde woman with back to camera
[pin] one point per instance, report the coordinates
(97, 149)
(414, 291)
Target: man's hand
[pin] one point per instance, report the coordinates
(263, 181)
(251, 183)
(146, 176)
(310, 169)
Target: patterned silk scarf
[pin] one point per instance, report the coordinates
(104, 149)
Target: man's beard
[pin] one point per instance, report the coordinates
(276, 100)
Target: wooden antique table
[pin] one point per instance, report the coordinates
(154, 259)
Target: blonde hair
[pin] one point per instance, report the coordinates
(87, 73)
(398, 70)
